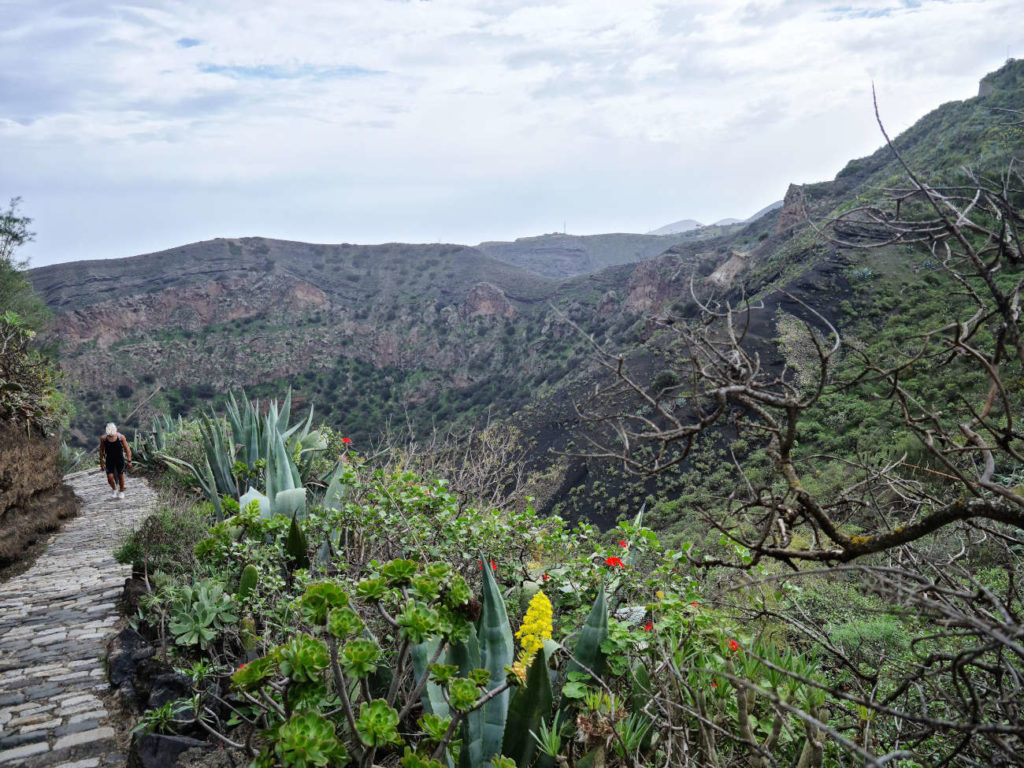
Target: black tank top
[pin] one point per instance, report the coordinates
(114, 451)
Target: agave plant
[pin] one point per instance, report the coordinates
(245, 437)
(500, 726)
(149, 448)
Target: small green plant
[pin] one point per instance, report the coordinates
(201, 613)
(549, 738)
(304, 740)
(166, 718)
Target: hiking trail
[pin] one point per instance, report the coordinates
(55, 621)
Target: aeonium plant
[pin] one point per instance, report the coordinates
(406, 665)
(342, 688)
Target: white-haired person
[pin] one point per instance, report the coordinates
(115, 455)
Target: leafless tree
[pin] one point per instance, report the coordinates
(959, 693)
(974, 236)
(484, 466)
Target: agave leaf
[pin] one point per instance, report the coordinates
(264, 502)
(245, 429)
(323, 554)
(281, 474)
(587, 652)
(286, 410)
(336, 492)
(466, 656)
(314, 441)
(296, 546)
(530, 703)
(204, 478)
(432, 696)
(234, 417)
(219, 455)
(496, 652)
(290, 502)
(587, 656)
(292, 437)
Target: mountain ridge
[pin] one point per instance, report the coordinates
(445, 334)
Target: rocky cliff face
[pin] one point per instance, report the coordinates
(33, 499)
(792, 211)
(485, 299)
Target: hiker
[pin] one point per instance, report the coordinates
(113, 450)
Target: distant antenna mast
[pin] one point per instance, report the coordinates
(563, 226)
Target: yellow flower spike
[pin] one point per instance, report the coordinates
(535, 629)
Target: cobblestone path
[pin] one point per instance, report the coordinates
(55, 620)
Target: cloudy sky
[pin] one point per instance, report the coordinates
(129, 127)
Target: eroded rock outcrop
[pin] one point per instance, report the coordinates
(792, 212)
(652, 284)
(33, 499)
(487, 299)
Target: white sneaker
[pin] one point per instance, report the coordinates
(113, 493)
(120, 494)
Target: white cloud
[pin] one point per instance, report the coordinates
(371, 121)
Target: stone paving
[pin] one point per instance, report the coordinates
(55, 620)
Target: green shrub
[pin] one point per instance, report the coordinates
(165, 541)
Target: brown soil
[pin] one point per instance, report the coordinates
(34, 502)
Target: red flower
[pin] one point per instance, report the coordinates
(624, 545)
(714, 684)
(494, 565)
(346, 439)
(545, 577)
(733, 645)
(649, 626)
(241, 667)
(693, 603)
(614, 561)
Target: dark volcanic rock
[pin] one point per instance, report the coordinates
(168, 687)
(155, 750)
(123, 654)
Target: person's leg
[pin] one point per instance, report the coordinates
(110, 479)
(121, 479)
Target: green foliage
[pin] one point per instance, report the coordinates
(360, 658)
(418, 621)
(165, 541)
(199, 614)
(377, 724)
(16, 294)
(302, 659)
(247, 582)
(166, 718)
(320, 599)
(304, 740)
(28, 380)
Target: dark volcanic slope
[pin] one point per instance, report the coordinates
(351, 271)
